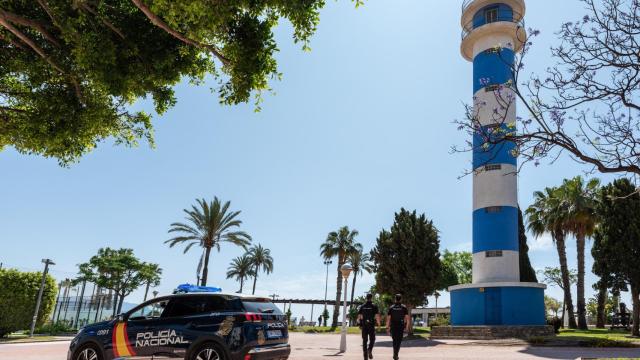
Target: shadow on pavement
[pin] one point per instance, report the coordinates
(561, 353)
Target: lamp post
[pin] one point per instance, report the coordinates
(346, 271)
(46, 262)
(326, 282)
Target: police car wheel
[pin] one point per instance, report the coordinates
(208, 351)
(87, 352)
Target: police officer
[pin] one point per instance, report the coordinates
(368, 317)
(397, 323)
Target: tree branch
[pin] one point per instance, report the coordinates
(108, 24)
(157, 21)
(17, 19)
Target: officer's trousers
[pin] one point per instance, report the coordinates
(368, 336)
(396, 335)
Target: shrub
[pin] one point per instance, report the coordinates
(439, 321)
(60, 327)
(18, 294)
(556, 323)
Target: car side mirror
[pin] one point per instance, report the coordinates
(121, 317)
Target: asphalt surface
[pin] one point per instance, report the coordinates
(316, 347)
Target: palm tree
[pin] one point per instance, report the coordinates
(261, 259)
(240, 269)
(360, 262)
(547, 215)
(340, 244)
(579, 200)
(208, 225)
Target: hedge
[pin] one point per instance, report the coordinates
(18, 294)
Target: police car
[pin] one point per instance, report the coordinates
(195, 323)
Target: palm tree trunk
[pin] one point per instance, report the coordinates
(241, 284)
(336, 306)
(636, 310)
(353, 290)
(255, 279)
(205, 268)
(564, 268)
(602, 301)
(582, 308)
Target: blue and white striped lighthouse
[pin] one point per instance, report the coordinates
(492, 35)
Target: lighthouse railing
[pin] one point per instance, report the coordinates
(512, 17)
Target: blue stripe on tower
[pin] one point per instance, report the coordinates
(491, 68)
(494, 152)
(495, 230)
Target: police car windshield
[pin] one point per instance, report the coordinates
(261, 306)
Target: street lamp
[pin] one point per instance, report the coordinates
(346, 271)
(326, 282)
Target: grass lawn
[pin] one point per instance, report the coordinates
(23, 338)
(591, 338)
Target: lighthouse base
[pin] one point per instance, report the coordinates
(498, 304)
(490, 332)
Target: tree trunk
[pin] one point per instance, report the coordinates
(636, 310)
(353, 290)
(205, 268)
(336, 306)
(582, 306)
(146, 291)
(241, 284)
(562, 254)
(409, 308)
(115, 305)
(120, 304)
(563, 311)
(255, 279)
(602, 301)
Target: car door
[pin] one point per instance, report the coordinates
(183, 321)
(142, 329)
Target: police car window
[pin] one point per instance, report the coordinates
(149, 311)
(194, 305)
(261, 306)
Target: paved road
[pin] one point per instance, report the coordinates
(317, 347)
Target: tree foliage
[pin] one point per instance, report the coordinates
(69, 69)
(119, 270)
(407, 258)
(240, 269)
(18, 295)
(209, 224)
(340, 244)
(456, 268)
(619, 238)
(261, 260)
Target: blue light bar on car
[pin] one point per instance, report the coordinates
(188, 288)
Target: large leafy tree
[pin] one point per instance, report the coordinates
(339, 244)
(579, 201)
(619, 237)
(546, 216)
(69, 69)
(456, 268)
(209, 225)
(118, 270)
(554, 276)
(407, 258)
(261, 260)
(240, 269)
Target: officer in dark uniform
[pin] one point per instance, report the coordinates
(368, 317)
(397, 324)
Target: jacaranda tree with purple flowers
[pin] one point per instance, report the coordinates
(586, 105)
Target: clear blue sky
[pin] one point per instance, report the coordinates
(357, 128)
